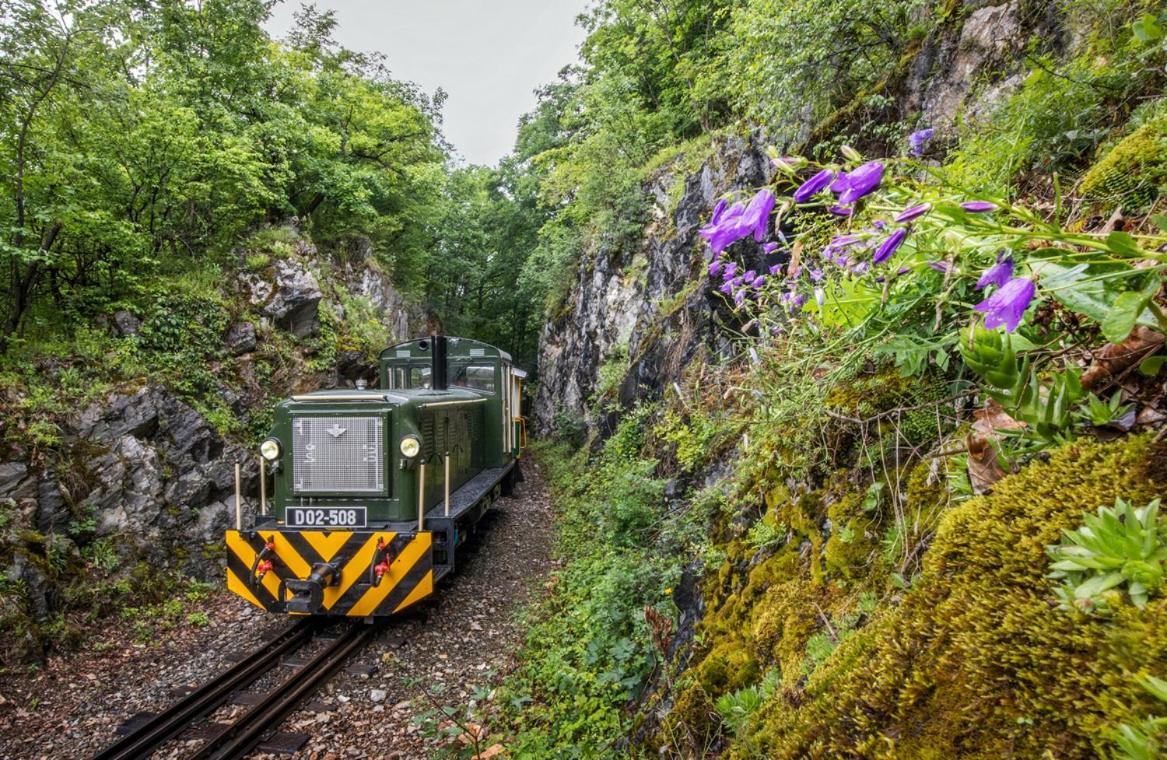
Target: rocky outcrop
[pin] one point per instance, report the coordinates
(157, 466)
(966, 68)
(288, 295)
(649, 313)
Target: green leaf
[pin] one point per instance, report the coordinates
(1123, 243)
(1157, 687)
(1121, 318)
(1160, 221)
(1147, 29)
(1152, 365)
(1090, 290)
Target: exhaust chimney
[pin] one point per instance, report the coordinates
(440, 379)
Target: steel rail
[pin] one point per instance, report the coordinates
(178, 717)
(239, 738)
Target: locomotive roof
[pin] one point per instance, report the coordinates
(424, 397)
(456, 348)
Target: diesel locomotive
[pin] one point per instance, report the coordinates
(373, 491)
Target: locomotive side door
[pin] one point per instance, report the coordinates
(519, 422)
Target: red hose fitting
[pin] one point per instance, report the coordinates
(382, 568)
(262, 569)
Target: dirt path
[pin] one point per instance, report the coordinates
(462, 642)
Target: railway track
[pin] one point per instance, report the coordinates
(236, 739)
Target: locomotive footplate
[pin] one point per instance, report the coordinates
(341, 573)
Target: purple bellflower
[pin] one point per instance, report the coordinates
(759, 281)
(723, 226)
(1007, 305)
(841, 210)
(769, 248)
(730, 271)
(940, 266)
(776, 269)
(813, 186)
(816, 275)
(756, 217)
(998, 274)
(978, 207)
(913, 212)
(727, 226)
(726, 287)
(889, 246)
(859, 182)
(714, 268)
(919, 140)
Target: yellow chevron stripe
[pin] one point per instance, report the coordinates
(238, 545)
(356, 569)
(288, 555)
(237, 586)
(424, 588)
(372, 598)
(327, 545)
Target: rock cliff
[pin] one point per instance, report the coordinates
(645, 314)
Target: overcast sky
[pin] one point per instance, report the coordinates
(489, 55)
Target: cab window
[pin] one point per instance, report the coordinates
(477, 376)
(419, 377)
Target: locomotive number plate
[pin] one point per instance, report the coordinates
(326, 517)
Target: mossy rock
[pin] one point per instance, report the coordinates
(692, 724)
(978, 660)
(727, 668)
(849, 549)
(785, 619)
(1133, 173)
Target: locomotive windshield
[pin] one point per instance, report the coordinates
(477, 376)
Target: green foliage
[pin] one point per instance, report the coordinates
(1142, 741)
(1047, 409)
(1101, 413)
(588, 647)
(1115, 548)
(804, 57)
(198, 619)
(152, 140)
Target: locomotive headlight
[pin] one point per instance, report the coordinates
(410, 446)
(270, 449)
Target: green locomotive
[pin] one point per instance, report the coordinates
(374, 490)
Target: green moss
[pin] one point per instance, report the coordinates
(1133, 172)
(977, 661)
(727, 668)
(853, 537)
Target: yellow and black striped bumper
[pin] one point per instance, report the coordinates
(354, 592)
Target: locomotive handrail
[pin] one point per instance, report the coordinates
(458, 402)
(372, 397)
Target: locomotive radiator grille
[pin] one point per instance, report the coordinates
(337, 455)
